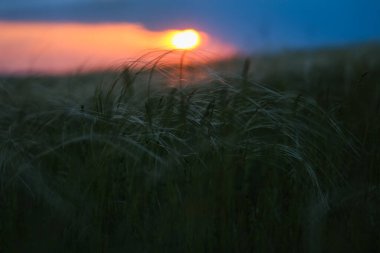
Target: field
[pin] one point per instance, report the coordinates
(276, 153)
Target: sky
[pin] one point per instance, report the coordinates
(245, 25)
(250, 24)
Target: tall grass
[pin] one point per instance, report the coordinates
(226, 165)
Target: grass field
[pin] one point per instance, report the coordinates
(279, 153)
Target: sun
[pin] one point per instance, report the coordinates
(186, 39)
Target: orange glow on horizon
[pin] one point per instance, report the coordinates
(52, 48)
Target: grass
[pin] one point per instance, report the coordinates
(275, 154)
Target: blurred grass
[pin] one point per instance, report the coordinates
(277, 153)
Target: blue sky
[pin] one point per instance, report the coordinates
(249, 24)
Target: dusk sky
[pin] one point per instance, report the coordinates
(249, 24)
(244, 25)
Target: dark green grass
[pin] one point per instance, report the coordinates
(279, 156)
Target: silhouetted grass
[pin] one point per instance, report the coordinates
(281, 156)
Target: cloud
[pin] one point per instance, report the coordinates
(46, 47)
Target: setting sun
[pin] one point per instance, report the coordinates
(187, 39)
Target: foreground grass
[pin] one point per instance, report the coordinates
(129, 164)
